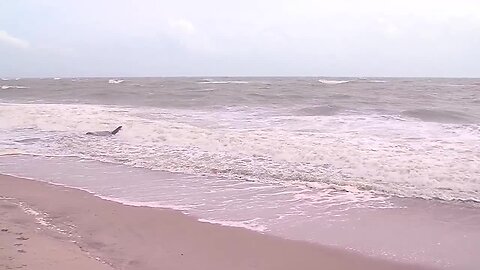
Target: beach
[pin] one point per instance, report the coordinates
(46, 226)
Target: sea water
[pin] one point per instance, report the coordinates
(315, 159)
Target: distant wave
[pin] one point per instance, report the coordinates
(319, 110)
(221, 82)
(79, 79)
(368, 80)
(333, 82)
(340, 96)
(440, 116)
(456, 84)
(11, 151)
(28, 140)
(56, 79)
(4, 87)
(362, 80)
(113, 81)
(4, 79)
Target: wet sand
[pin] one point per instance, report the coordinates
(44, 226)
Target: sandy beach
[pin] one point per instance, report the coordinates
(52, 227)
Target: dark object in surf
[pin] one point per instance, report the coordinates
(105, 133)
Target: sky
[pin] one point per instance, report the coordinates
(376, 38)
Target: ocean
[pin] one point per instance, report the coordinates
(309, 158)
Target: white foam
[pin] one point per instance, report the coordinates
(178, 207)
(39, 217)
(14, 87)
(223, 82)
(333, 81)
(113, 81)
(6, 152)
(353, 153)
(247, 224)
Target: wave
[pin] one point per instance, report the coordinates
(28, 140)
(344, 149)
(333, 82)
(340, 96)
(368, 80)
(320, 110)
(248, 224)
(113, 81)
(366, 151)
(10, 152)
(206, 81)
(4, 87)
(439, 116)
(361, 80)
(80, 79)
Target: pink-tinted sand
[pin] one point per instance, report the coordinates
(52, 227)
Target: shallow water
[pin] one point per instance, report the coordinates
(432, 233)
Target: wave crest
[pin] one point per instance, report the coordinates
(5, 87)
(439, 116)
(333, 82)
(113, 81)
(320, 110)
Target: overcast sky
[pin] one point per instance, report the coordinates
(54, 38)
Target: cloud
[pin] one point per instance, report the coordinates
(10, 40)
(189, 37)
(286, 37)
(183, 26)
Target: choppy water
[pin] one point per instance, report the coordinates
(403, 137)
(335, 161)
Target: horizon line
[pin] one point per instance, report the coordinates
(236, 76)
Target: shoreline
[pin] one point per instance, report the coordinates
(134, 237)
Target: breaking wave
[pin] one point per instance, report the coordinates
(113, 81)
(4, 87)
(320, 110)
(207, 81)
(337, 150)
(333, 82)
